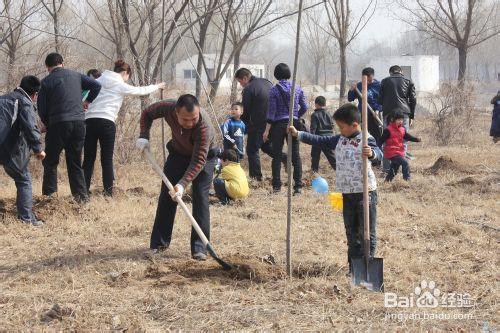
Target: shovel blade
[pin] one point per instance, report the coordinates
(373, 278)
(221, 262)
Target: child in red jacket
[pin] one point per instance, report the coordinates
(393, 137)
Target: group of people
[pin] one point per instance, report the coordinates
(76, 111)
(79, 111)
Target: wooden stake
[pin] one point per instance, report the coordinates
(163, 147)
(289, 159)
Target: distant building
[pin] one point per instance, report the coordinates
(185, 74)
(423, 70)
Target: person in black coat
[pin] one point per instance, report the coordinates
(495, 119)
(255, 100)
(61, 111)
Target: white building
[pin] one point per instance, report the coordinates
(185, 74)
(423, 70)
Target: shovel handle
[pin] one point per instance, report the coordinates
(164, 178)
(369, 107)
(364, 124)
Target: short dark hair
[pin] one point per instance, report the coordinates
(95, 73)
(395, 69)
(347, 113)
(187, 101)
(239, 104)
(30, 84)
(368, 71)
(242, 72)
(320, 100)
(282, 72)
(396, 115)
(230, 155)
(53, 59)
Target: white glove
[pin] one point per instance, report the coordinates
(142, 144)
(177, 192)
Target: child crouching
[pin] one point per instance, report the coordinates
(349, 155)
(233, 183)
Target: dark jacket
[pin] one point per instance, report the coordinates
(23, 134)
(60, 97)
(495, 119)
(321, 122)
(397, 92)
(255, 99)
(373, 93)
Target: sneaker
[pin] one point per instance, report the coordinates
(34, 222)
(276, 190)
(200, 256)
(297, 191)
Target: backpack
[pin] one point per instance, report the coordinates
(8, 115)
(15, 154)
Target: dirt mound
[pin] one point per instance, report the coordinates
(447, 164)
(184, 272)
(46, 207)
(486, 184)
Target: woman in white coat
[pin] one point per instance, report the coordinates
(100, 120)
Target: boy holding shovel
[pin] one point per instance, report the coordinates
(349, 181)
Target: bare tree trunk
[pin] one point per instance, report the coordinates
(236, 66)
(343, 72)
(317, 64)
(324, 72)
(55, 17)
(462, 65)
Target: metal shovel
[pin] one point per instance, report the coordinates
(367, 272)
(194, 224)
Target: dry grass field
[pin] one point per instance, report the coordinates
(86, 269)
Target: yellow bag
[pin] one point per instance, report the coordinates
(336, 201)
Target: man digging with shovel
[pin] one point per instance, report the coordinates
(187, 161)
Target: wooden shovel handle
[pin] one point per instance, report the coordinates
(364, 124)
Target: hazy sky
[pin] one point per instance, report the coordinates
(382, 26)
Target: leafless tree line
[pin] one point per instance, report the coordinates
(149, 33)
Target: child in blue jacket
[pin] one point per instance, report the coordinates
(234, 130)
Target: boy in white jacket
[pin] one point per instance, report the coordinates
(100, 120)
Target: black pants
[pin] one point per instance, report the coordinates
(69, 136)
(174, 169)
(353, 222)
(254, 144)
(396, 162)
(102, 131)
(316, 155)
(278, 134)
(220, 190)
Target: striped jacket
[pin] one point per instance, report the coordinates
(195, 142)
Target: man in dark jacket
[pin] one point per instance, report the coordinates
(374, 127)
(397, 94)
(61, 111)
(255, 99)
(18, 135)
(321, 124)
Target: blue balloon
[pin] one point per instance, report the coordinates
(320, 185)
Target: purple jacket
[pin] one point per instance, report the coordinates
(279, 102)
